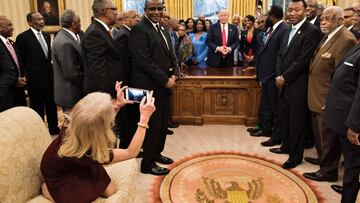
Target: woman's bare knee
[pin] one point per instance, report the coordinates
(110, 189)
(45, 192)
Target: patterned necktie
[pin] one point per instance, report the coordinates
(42, 44)
(269, 33)
(13, 53)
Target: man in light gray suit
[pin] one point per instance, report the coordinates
(68, 62)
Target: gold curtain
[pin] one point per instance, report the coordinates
(326, 2)
(243, 7)
(180, 9)
(118, 4)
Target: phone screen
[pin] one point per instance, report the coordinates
(135, 95)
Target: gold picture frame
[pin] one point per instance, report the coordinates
(51, 11)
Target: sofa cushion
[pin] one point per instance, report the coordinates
(23, 140)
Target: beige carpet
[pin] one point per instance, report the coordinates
(190, 140)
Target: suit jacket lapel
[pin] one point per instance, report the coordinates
(68, 35)
(9, 54)
(106, 35)
(36, 41)
(155, 32)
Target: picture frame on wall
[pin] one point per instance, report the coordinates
(51, 11)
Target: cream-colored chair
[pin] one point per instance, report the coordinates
(23, 140)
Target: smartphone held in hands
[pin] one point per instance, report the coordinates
(135, 94)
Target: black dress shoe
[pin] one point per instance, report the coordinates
(156, 170)
(320, 176)
(164, 160)
(337, 188)
(270, 142)
(252, 130)
(173, 124)
(277, 151)
(312, 160)
(169, 132)
(290, 164)
(260, 133)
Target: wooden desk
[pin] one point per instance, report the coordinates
(216, 96)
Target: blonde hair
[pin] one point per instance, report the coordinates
(90, 129)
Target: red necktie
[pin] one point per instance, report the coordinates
(223, 34)
(12, 52)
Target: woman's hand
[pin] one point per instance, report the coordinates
(147, 108)
(120, 99)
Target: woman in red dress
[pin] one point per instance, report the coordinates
(72, 166)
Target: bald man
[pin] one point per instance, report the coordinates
(222, 39)
(329, 54)
(311, 13)
(12, 80)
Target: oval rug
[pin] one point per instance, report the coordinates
(232, 178)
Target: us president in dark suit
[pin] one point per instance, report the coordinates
(295, 54)
(104, 63)
(12, 79)
(342, 116)
(35, 51)
(268, 48)
(222, 40)
(68, 61)
(154, 68)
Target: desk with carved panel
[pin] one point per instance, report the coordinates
(216, 96)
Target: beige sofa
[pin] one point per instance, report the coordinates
(23, 140)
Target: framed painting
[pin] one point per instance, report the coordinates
(51, 11)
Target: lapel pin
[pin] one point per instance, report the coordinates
(299, 32)
(230, 30)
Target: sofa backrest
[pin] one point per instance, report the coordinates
(23, 140)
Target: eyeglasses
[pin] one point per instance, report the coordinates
(327, 18)
(111, 8)
(156, 8)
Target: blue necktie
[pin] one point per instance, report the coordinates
(291, 35)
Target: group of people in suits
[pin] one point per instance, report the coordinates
(310, 85)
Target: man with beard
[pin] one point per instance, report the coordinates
(268, 47)
(329, 54)
(154, 68)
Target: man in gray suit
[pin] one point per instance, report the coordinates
(68, 62)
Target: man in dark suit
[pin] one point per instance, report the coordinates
(35, 51)
(68, 62)
(311, 13)
(222, 40)
(268, 47)
(12, 79)
(349, 21)
(154, 69)
(49, 17)
(130, 18)
(295, 53)
(104, 64)
(328, 55)
(342, 116)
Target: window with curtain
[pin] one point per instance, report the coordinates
(209, 8)
(137, 5)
